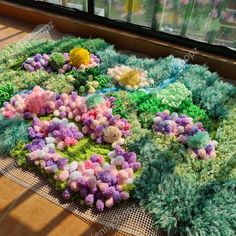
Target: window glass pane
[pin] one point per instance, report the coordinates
(78, 4)
(203, 19)
(112, 9)
(170, 15)
(212, 21)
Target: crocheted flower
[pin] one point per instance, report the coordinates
(111, 134)
(130, 78)
(79, 56)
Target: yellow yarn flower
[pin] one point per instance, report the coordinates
(79, 56)
(131, 78)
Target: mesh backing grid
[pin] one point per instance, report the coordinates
(127, 218)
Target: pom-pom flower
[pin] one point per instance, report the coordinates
(190, 134)
(57, 60)
(79, 56)
(37, 102)
(130, 78)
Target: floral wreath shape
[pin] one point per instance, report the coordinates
(96, 181)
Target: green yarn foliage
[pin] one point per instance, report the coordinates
(188, 108)
(56, 60)
(6, 92)
(20, 154)
(122, 105)
(84, 149)
(12, 131)
(103, 81)
(147, 102)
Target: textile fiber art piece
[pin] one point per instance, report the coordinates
(107, 129)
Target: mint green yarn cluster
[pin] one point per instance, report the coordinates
(94, 100)
(199, 140)
(84, 149)
(174, 94)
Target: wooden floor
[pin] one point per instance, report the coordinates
(22, 212)
(11, 31)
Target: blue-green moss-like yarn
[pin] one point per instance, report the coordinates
(172, 204)
(12, 131)
(94, 100)
(110, 58)
(199, 140)
(215, 215)
(208, 90)
(166, 68)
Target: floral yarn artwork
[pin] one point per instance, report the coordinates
(106, 128)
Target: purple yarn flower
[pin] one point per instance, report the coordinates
(119, 150)
(125, 165)
(94, 158)
(36, 144)
(74, 96)
(84, 192)
(117, 197)
(62, 163)
(135, 166)
(100, 205)
(109, 192)
(107, 177)
(89, 200)
(28, 115)
(67, 194)
(50, 162)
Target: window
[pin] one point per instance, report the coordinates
(211, 21)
